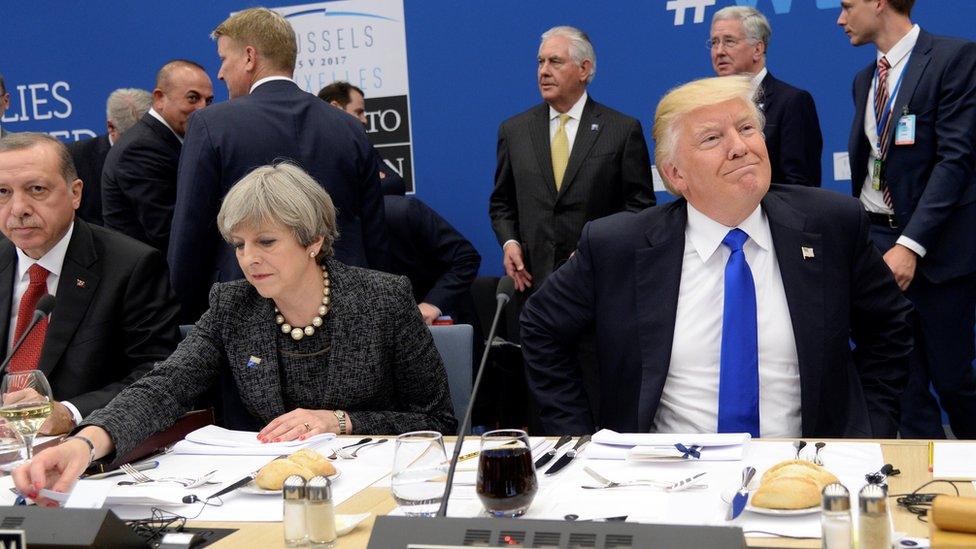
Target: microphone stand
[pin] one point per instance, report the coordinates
(503, 296)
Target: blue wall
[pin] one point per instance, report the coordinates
(471, 65)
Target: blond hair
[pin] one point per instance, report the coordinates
(688, 97)
(281, 194)
(267, 31)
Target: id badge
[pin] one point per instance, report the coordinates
(876, 175)
(905, 132)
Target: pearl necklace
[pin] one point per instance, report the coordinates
(298, 333)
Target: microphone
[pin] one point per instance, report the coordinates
(44, 307)
(503, 294)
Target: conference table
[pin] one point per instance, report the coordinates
(910, 456)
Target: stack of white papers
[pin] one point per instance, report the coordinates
(954, 461)
(609, 444)
(217, 441)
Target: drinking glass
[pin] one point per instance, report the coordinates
(506, 475)
(419, 472)
(26, 404)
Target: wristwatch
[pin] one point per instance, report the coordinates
(341, 416)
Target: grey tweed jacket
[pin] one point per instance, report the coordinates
(382, 367)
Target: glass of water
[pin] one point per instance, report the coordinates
(419, 472)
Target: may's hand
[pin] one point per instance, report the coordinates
(902, 262)
(59, 422)
(56, 468)
(515, 266)
(301, 424)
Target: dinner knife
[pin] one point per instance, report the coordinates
(144, 466)
(569, 456)
(547, 457)
(738, 503)
(239, 483)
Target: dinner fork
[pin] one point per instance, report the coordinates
(138, 476)
(355, 453)
(664, 485)
(342, 453)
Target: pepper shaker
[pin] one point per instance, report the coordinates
(835, 517)
(320, 514)
(874, 526)
(293, 521)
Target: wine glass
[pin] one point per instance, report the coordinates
(26, 404)
(506, 475)
(419, 472)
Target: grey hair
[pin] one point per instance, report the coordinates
(282, 194)
(580, 47)
(25, 140)
(754, 23)
(125, 106)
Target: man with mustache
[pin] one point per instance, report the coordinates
(731, 309)
(913, 166)
(115, 314)
(561, 164)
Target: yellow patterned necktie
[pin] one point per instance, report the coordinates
(560, 151)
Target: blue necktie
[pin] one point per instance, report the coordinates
(738, 389)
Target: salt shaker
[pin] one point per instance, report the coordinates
(320, 513)
(835, 517)
(293, 492)
(874, 526)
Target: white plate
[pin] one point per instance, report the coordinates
(347, 523)
(252, 488)
(728, 494)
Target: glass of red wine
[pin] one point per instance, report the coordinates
(506, 475)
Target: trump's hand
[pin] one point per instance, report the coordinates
(902, 262)
(515, 266)
(56, 468)
(429, 312)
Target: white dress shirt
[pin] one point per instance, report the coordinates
(572, 125)
(53, 261)
(268, 79)
(157, 116)
(689, 402)
(898, 56)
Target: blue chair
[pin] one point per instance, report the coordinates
(454, 343)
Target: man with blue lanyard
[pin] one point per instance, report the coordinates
(913, 166)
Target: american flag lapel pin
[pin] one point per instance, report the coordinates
(253, 361)
(807, 252)
(80, 283)
(594, 127)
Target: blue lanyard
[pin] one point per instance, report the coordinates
(891, 99)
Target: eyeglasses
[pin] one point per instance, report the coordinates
(729, 43)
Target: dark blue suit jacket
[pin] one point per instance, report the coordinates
(792, 133)
(277, 121)
(624, 279)
(139, 182)
(440, 263)
(933, 182)
(89, 157)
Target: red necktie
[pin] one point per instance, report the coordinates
(29, 353)
(880, 102)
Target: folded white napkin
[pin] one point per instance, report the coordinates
(609, 444)
(215, 440)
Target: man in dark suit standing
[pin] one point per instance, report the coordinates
(115, 314)
(123, 109)
(268, 117)
(563, 163)
(739, 42)
(139, 178)
(731, 309)
(913, 166)
(4, 103)
(351, 99)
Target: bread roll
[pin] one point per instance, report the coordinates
(787, 492)
(272, 476)
(313, 461)
(793, 484)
